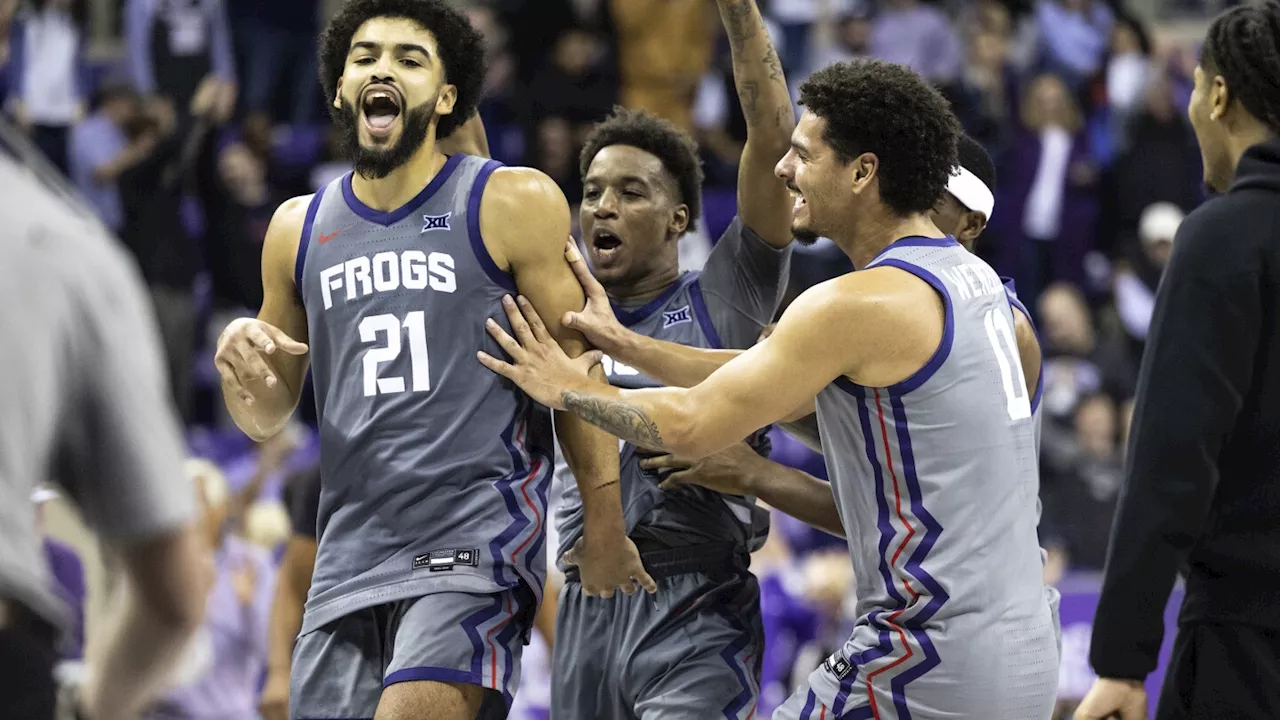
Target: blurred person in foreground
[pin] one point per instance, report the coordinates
(1202, 491)
(83, 401)
(224, 665)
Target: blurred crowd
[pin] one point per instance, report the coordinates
(187, 140)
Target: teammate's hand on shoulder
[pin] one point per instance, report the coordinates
(242, 348)
(607, 565)
(1110, 698)
(596, 321)
(726, 471)
(539, 365)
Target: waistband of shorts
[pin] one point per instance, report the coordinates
(662, 561)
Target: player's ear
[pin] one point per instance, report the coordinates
(971, 227)
(448, 98)
(337, 95)
(679, 220)
(862, 171)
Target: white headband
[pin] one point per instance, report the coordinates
(971, 192)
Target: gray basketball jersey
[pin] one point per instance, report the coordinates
(723, 305)
(434, 470)
(936, 477)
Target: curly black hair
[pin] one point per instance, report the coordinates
(1243, 46)
(650, 133)
(461, 48)
(877, 107)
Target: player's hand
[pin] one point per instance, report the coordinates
(726, 471)
(1109, 698)
(605, 566)
(539, 366)
(274, 703)
(596, 322)
(241, 355)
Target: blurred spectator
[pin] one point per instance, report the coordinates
(1128, 66)
(984, 97)
(49, 72)
(798, 21)
(839, 38)
(224, 668)
(1082, 471)
(664, 48)
(151, 196)
(1161, 163)
(1073, 37)
(1137, 278)
(500, 103)
(576, 83)
(237, 224)
(554, 155)
(276, 39)
(174, 44)
(1047, 192)
(100, 151)
(1077, 362)
(920, 36)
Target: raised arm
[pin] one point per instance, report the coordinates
(763, 201)
(524, 219)
(263, 361)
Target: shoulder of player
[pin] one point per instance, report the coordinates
(285, 231)
(521, 204)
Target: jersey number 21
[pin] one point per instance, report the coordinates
(414, 327)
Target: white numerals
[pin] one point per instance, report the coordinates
(413, 325)
(1005, 345)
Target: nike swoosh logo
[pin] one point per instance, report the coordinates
(326, 238)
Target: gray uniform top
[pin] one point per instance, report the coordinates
(84, 398)
(936, 477)
(434, 470)
(724, 305)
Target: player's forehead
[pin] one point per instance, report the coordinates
(809, 135)
(392, 33)
(618, 164)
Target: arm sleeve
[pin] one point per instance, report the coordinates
(123, 451)
(742, 283)
(1196, 370)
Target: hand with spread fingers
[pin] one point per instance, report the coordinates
(605, 568)
(596, 321)
(538, 364)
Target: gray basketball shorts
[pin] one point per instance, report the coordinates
(690, 652)
(340, 669)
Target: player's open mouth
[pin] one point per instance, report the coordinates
(604, 243)
(380, 107)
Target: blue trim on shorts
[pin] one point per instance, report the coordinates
(495, 273)
(471, 626)
(730, 656)
(435, 674)
(304, 242)
(809, 703)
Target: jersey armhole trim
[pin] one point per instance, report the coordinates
(1015, 303)
(699, 304)
(495, 273)
(921, 376)
(304, 242)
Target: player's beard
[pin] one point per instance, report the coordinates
(376, 163)
(804, 236)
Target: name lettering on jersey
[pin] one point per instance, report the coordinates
(972, 280)
(613, 367)
(387, 272)
(435, 222)
(676, 317)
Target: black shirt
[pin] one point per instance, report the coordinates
(303, 490)
(1202, 489)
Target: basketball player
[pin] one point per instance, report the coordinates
(696, 652)
(434, 473)
(925, 418)
(739, 470)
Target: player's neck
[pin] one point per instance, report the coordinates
(402, 184)
(644, 289)
(875, 234)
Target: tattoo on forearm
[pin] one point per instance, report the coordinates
(771, 62)
(749, 96)
(737, 21)
(619, 418)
